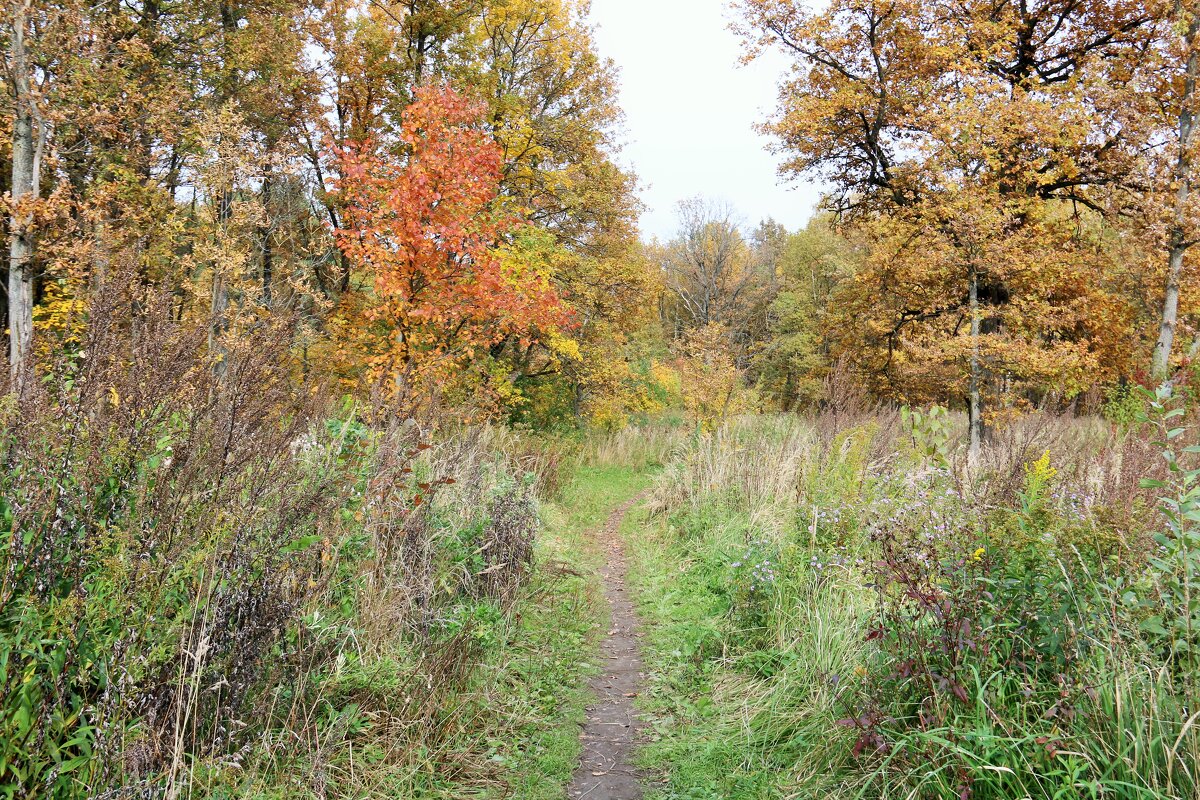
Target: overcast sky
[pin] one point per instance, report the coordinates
(690, 111)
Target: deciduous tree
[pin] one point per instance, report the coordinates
(969, 120)
(710, 270)
(424, 223)
(1169, 106)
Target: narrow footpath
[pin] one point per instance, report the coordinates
(611, 732)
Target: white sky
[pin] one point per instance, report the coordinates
(690, 112)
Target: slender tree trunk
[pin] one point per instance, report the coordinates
(1170, 312)
(344, 281)
(264, 234)
(1194, 348)
(268, 269)
(974, 403)
(220, 281)
(1177, 243)
(344, 267)
(577, 401)
(101, 252)
(219, 309)
(24, 179)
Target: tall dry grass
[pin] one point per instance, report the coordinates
(842, 668)
(635, 446)
(748, 460)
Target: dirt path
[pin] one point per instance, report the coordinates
(610, 733)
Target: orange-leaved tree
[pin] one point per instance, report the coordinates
(423, 218)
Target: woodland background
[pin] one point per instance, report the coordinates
(1009, 209)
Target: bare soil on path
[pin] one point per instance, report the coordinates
(612, 730)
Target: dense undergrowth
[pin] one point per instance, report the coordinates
(213, 585)
(839, 606)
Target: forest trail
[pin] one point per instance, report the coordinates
(611, 730)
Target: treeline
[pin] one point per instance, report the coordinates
(758, 308)
(241, 157)
(425, 194)
(1010, 212)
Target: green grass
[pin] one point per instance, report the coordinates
(541, 681)
(743, 694)
(755, 609)
(514, 731)
(761, 680)
(529, 696)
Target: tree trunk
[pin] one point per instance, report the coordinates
(24, 178)
(1170, 312)
(974, 404)
(577, 401)
(219, 309)
(220, 280)
(344, 281)
(264, 234)
(1177, 243)
(101, 252)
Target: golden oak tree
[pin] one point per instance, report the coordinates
(1161, 202)
(970, 123)
(1050, 324)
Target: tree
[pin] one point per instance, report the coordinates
(975, 120)
(794, 359)
(423, 221)
(1044, 318)
(710, 270)
(29, 135)
(551, 106)
(712, 385)
(1174, 92)
(552, 102)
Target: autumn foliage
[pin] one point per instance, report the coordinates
(311, 303)
(424, 220)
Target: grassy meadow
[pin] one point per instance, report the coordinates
(334, 334)
(840, 607)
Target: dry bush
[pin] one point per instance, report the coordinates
(1099, 467)
(154, 504)
(195, 547)
(750, 461)
(847, 406)
(634, 446)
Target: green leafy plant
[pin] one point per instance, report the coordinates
(931, 432)
(1124, 404)
(1174, 623)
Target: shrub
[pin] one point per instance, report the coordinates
(995, 649)
(194, 560)
(930, 432)
(1174, 624)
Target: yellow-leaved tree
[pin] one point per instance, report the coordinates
(968, 129)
